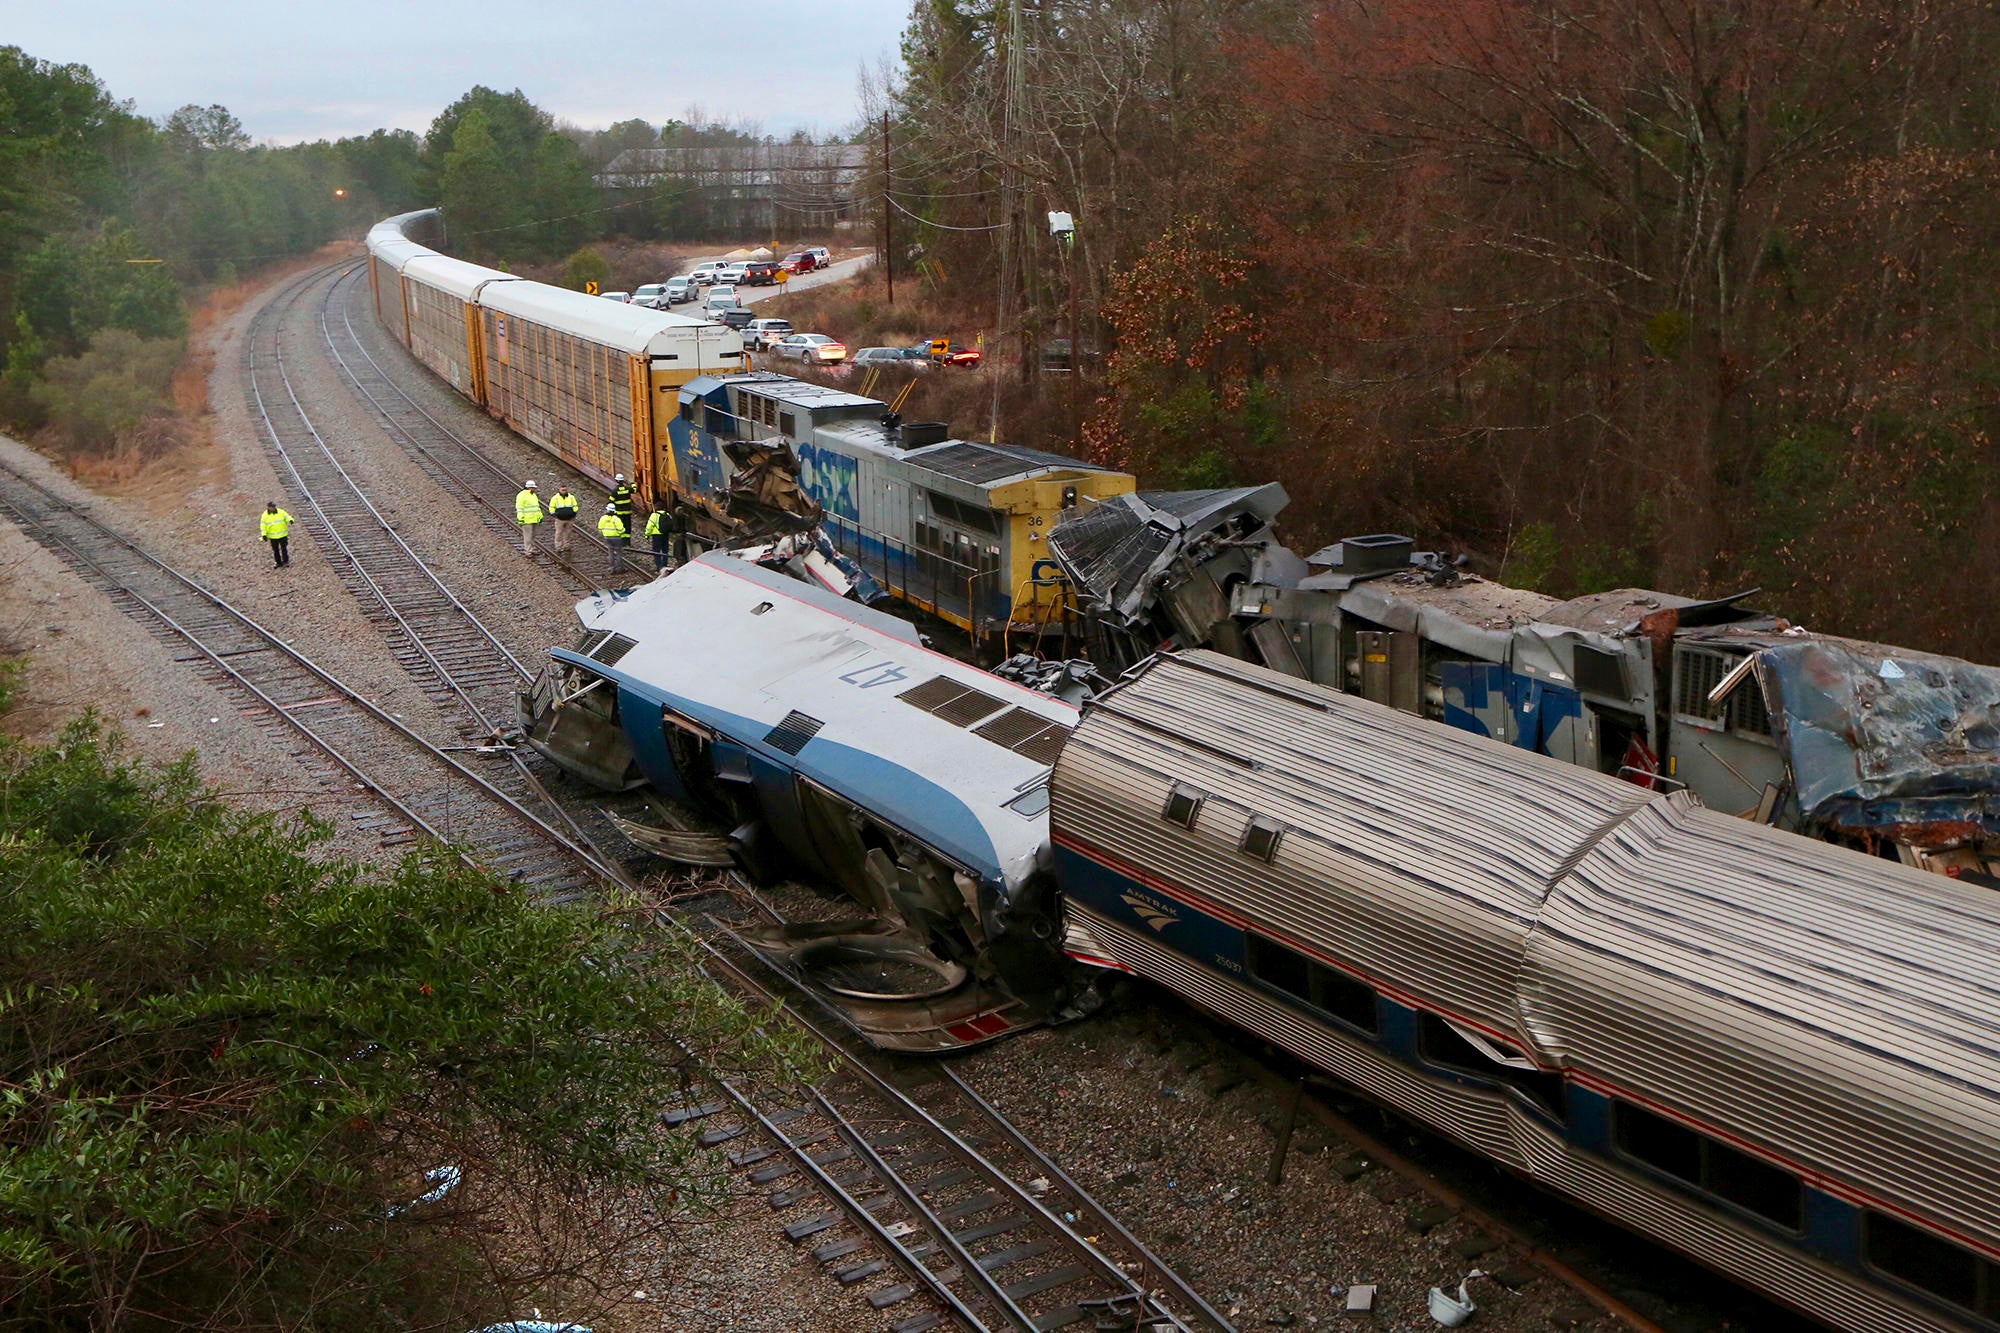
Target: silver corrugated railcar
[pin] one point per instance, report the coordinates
(1779, 1056)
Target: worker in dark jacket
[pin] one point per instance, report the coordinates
(274, 525)
(621, 500)
(616, 536)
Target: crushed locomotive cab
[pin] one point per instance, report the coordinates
(830, 743)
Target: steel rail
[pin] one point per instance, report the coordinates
(989, 1286)
(416, 638)
(627, 559)
(1155, 1266)
(274, 642)
(970, 1155)
(912, 1265)
(417, 561)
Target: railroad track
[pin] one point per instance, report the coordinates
(460, 663)
(482, 483)
(439, 640)
(346, 742)
(901, 1177)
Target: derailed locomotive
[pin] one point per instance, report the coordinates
(829, 742)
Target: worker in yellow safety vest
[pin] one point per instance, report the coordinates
(528, 513)
(661, 540)
(274, 525)
(616, 536)
(621, 500)
(562, 508)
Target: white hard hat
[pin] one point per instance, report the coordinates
(529, 484)
(619, 477)
(610, 508)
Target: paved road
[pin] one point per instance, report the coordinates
(835, 272)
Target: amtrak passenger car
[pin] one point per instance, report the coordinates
(954, 527)
(1779, 1056)
(834, 744)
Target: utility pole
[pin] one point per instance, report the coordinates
(1075, 351)
(888, 240)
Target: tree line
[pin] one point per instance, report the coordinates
(1687, 294)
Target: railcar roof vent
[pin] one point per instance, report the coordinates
(792, 734)
(1026, 734)
(952, 701)
(610, 648)
(1374, 553)
(917, 434)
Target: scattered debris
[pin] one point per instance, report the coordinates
(1451, 1311)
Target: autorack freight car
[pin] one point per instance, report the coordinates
(1779, 1056)
(592, 381)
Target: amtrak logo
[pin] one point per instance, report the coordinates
(1156, 914)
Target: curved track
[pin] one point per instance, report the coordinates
(454, 657)
(462, 468)
(344, 740)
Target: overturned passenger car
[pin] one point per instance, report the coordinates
(830, 742)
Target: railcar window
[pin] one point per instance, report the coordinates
(1750, 1183)
(1275, 965)
(1930, 1263)
(1183, 806)
(1326, 989)
(1260, 838)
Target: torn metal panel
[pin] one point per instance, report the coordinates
(1901, 743)
(764, 496)
(1118, 551)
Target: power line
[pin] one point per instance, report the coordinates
(942, 226)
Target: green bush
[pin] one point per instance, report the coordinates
(104, 393)
(586, 266)
(227, 1061)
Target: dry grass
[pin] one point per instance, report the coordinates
(168, 452)
(993, 402)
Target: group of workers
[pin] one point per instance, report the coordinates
(614, 525)
(274, 525)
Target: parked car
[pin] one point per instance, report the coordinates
(814, 349)
(721, 296)
(681, 289)
(798, 262)
(964, 357)
(652, 295)
(908, 358)
(1055, 354)
(615, 296)
(764, 334)
(730, 273)
(704, 274)
(820, 254)
(736, 316)
(760, 273)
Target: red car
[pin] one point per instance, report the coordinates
(940, 352)
(799, 261)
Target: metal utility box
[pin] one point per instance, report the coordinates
(1391, 668)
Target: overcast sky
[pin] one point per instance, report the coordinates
(295, 72)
